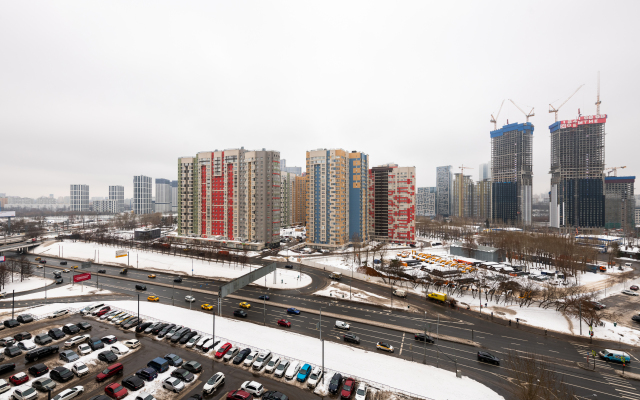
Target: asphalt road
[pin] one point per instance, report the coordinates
(561, 350)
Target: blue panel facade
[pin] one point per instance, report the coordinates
(504, 200)
(526, 127)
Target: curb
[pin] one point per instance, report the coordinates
(628, 375)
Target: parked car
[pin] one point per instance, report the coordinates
(43, 339)
(173, 384)
(629, 292)
(41, 352)
(11, 323)
(38, 370)
(26, 393)
(253, 387)
(19, 378)
(22, 336)
(351, 338)
(96, 343)
(209, 345)
(158, 328)
(8, 341)
(342, 325)
(185, 338)
(231, 354)
(59, 313)
(487, 357)
(143, 326)
(347, 388)
(281, 368)
(222, 350)
(133, 383)
(25, 318)
(61, 374)
(213, 383)
(119, 349)
(241, 356)
(84, 349)
(85, 326)
(116, 391)
(111, 370)
(132, 343)
(193, 366)
(272, 364)
(70, 329)
(292, 371)
(44, 385)
(131, 323)
(239, 395)
(314, 378)
(56, 333)
(69, 393)
(76, 340)
(262, 359)
(68, 356)
(194, 339)
(12, 351)
(633, 287)
(80, 369)
(4, 368)
(274, 395)
(107, 356)
(148, 374)
(334, 384)
(109, 339)
(183, 375)
(249, 360)
(26, 345)
(173, 360)
(303, 373)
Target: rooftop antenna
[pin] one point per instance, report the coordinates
(552, 109)
(531, 114)
(493, 120)
(598, 102)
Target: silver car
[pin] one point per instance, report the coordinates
(173, 384)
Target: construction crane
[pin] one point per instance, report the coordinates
(460, 191)
(614, 170)
(552, 109)
(493, 120)
(531, 114)
(598, 101)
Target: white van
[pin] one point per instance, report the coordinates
(399, 293)
(293, 369)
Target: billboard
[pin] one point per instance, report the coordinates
(586, 120)
(81, 277)
(7, 214)
(121, 253)
(1, 258)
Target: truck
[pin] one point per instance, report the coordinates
(336, 275)
(124, 271)
(400, 293)
(437, 296)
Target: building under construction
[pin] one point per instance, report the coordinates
(511, 173)
(619, 210)
(577, 172)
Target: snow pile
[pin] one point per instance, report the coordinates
(31, 283)
(64, 291)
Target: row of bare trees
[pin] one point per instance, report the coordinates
(15, 269)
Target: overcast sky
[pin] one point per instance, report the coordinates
(96, 92)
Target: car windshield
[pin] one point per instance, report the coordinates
(45, 381)
(271, 363)
(212, 380)
(281, 367)
(360, 392)
(117, 388)
(334, 381)
(28, 392)
(250, 357)
(347, 387)
(313, 376)
(106, 371)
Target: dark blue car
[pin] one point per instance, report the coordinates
(264, 297)
(294, 311)
(147, 374)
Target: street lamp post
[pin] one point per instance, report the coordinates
(425, 338)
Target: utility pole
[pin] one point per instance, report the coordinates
(425, 339)
(580, 310)
(322, 343)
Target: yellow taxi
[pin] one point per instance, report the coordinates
(75, 267)
(244, 304)
(151, 276)
(153, 298)
(207, 307)
(384, 346)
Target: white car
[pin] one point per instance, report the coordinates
(144, 396)
(119, 349)
(281, 368)
(253, 387)
(4, 386)
(75, 340)
(192, 342)
(361, 391)
(273, 364)
(629, 292)
(231, 353)
(173, 384)
(69, 393)
(262, 360)
(342, 325)
(213, 383)
(249, 360)
(59, 313)
(24, 393)
(132, 343)
(314, 378)
(80, 369)
(26, 345)
(190, 299)
(115, 315)
(109, 314)
(202, 340)
(84, 349)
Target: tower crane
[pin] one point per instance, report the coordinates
(531, 114)
(552, 109)
(598, 101)
(460, 191)
(493, 120)
(614, 170)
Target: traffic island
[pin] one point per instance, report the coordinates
(628, 375)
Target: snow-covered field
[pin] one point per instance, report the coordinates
(64, 291)
(380, 370)
(342, 291)
(81, 251)
(33, 282)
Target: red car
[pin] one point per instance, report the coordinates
(111, 370)
(222, 350)
(347, 388)
(19, 378)
(633, 287)
(116, 391)
(239, 395)
(284, 322)
(103, 311)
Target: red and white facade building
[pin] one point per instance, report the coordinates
(392, 203)
(230, 195)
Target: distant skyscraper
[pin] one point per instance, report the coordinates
(392, 203)
(116, 193)
(484, 172)
(79, 195)
(163, 195)
(426, 201)
(293, 170)
(577, 170)
(174, 196)
(142, 188)
(511, 173)
(444, 181)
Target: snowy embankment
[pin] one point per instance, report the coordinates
(64, 291)
(161, 262)
(381, 371)
(30, 283)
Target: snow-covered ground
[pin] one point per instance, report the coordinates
(379, 370)
(64, 291)
(33, 282)
(82, 251)
(342, 291)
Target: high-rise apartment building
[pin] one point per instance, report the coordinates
(79, 195)
(463, 196)
(577, 171)
(327, 197)
(512, 173)
(426, 201)
(484, 172)
(293, 170)
(358, 197)
(392, 203)
(287, 195)
(142, 188)
(105, 206)
(116, 193)
(163, 195)
(482, 200)
(230, 194)
(300, 200)
(444, 183)
(620, 204)
(174, 196)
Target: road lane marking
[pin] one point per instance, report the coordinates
(508, 337)
(402, 343)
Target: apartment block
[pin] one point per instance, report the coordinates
(358, 197)
(174, 196)
(230, 194)
(293, 170)
(142, 189)
(163, 195)
(327, 197)
(105, 206)
(300, 200)
(287, 194)
(482, 201)
(79, 195)
(620, 202)
(116, 193)
(426, 201)
(444, 196)
(463, 196)
(392, 203)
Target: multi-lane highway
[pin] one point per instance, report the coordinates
(564, 352)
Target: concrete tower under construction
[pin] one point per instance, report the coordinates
(577, 172)
(511, 173)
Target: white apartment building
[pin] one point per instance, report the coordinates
(79, 195)
(105, 206)
(142, 188)
(163, 195)
(116, 193)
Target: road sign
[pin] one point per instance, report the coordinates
(121, 253)
(81, 277)
(1, 258)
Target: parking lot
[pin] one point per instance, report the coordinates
(150, 348)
